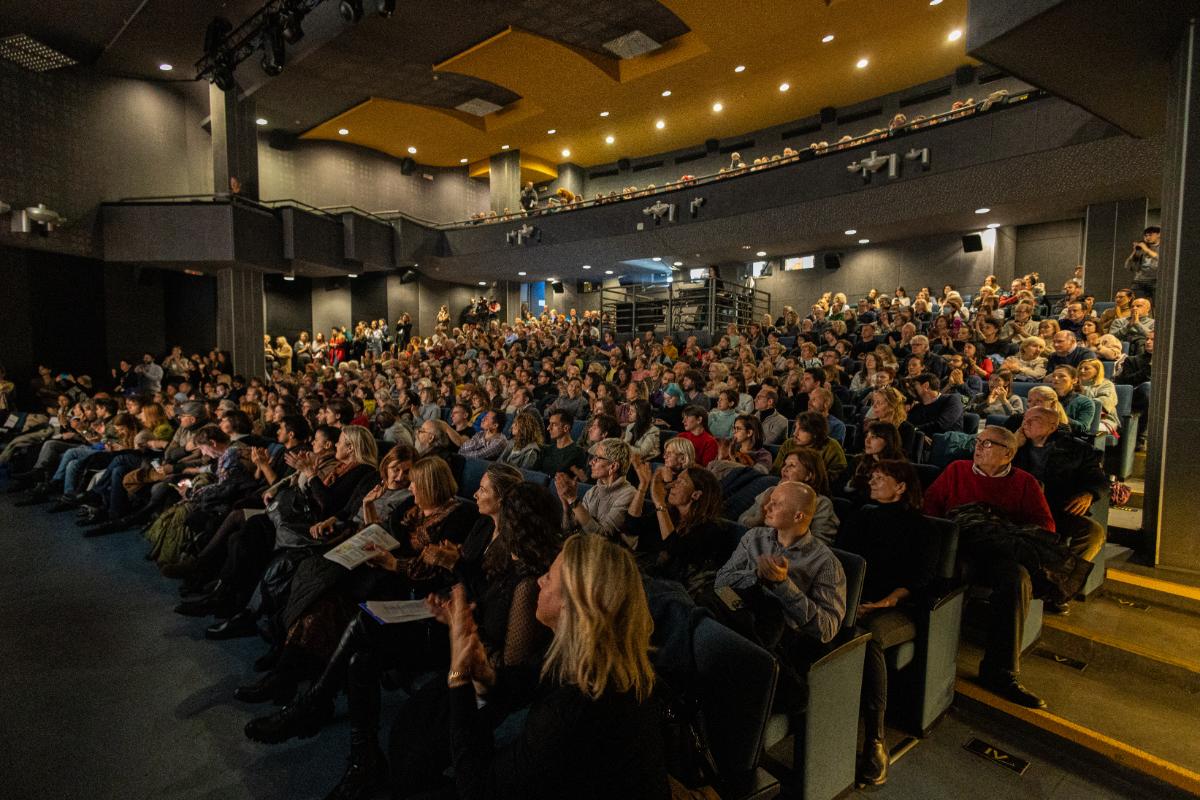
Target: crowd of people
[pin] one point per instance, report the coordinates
(538, 596)
(534, 203)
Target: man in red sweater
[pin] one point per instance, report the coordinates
(991, 478)
(695, 430)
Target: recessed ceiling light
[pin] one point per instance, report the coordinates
(862, 63)
(608, 272)
(678, 264)
(604, 113)
(462, 161)
(503, 147)
(955, 35)
(935, 2)
(609, 140)
(657, 258)
(352, 275)
(586, 266)
(260, 121)
(522, 273)
(740, 68)
(827, 38)
(566, 153)
(851, 231)
(982, 210)
(165, 67)
(718, 107)
(412, 151)
(483, 283)
(864, 241)
(783, 87)
(289, 277)
(744, 247)
(993, 224)
(660, 124)
(761, 253)
(666, 93)
(552, 131)
(343, 131)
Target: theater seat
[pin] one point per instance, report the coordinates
(970, 423)
(535, 477)
(577, 429)
(735, 683)
(1021, 388)
(922, 671)
(472, 474)
(826, 734)
(1118, 458)
(737, 502)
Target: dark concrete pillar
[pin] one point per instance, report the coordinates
(241, 319)
(234, 142)
(571, 176)
(1173, 455)
(1110, 229)
(504, 181)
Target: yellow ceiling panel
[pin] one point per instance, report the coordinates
(564, 89)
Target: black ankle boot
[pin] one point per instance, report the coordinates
(367, 769)
(366, 772)
(277, 686)
(300, 719)
(874, 767)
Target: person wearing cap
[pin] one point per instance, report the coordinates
(602, 509)
(1143, 262)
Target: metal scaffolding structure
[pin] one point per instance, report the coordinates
(702, 305)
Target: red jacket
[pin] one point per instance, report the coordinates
(1017, 494)
(705, 444)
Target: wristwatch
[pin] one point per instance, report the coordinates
(659, 507)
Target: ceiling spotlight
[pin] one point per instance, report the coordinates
(955, 35)
(552, 131)
(827, 38)
(604, 113)
(678, 263)
(864, 241)
(462, 161)
(522, 273)
(982, 210)
(935, 2)
(165, 67)
(483, 283)
(289, 277)
(274, 47)
(718, 107)
(503, 147)
(586, 266)
(666, 93)
(608, 272)
(862, 63)
(412, 151)
(744, 247)
(351, 10)
(761, 253)
(352, 275)
(851, 232)
(660, 124)
(783, 87)
(343, 131)
(657, 258)
(566, 153)
(740, 68)
(609, 140)
(993, 225)
(261, 121)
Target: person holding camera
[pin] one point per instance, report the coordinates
(1143, 262)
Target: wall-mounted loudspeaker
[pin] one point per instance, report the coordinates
(557, 286)
(833, 260)
(407, 166)
(623, 165)
(972, 243)
(409, 275)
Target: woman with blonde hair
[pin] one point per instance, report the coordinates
(889, 405)
(1040, 396)
(1028, 364)
(591, 732)
(1093, 384)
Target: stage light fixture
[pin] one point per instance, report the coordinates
(351, 10)
(274, 48)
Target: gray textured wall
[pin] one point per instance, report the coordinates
(332, 174)
(931, 261)
(331, 305)
(1052, 249)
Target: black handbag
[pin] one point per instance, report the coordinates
(685, 748)
(290, 512)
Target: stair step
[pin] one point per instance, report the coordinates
(1154, 586)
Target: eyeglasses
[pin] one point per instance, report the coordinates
(988, 444)
(593, 457)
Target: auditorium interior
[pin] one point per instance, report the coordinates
(813, 359)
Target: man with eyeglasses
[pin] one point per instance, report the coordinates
(991, 479)
(603, 508)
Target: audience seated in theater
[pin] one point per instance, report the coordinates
(791, 585)
(805, 466)
(743, 449)
(524, 450)
(893, 536)
(695, 430)
(812, 431)
(1067, 351)
(881, 441)
(603, 508)
(1080, 408)
(934, 412)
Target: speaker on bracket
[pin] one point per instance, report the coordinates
(409, 275)
(557, 286)
(972, 243)
(833, 260)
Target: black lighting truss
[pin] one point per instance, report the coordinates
(249, 37)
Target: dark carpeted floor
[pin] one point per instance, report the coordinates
(107, 693)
